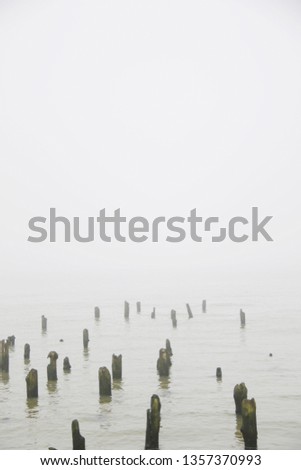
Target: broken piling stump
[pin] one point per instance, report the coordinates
(126, 310)
(44, 323)
(78, 441)
(138, 305)
(153, 314)
(240, 393)
(117, 367)
(153, 419)
(26, 351)
(32, 384)
(104, 380)
(96, 313)
(204, 306)
(189, 311)
(163, 363)
(85, 338)
(168, 347)
(218, 373)
(51, 368)
(66, 365)
(173, 317)
(4, 356)
(249, 424)
(11, 340)
(242, 318)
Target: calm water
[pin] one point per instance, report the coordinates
(197, 410)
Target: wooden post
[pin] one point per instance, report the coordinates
(204, 306)
(66, 365)
(153, 314)
(168, 347)
(44, 323)
(138, 304)
(78, 441)
(32, 384)
(26, 351)
(163, 363)
(240, 393)
(189, 311)
(11, 340)
(242, 318)
(173, 316)
(96, 313)
(249, 424)
(104, 380)
(126, 310)
(153, 419)
(85, 338)
(4, 356)
(218, 373)
(51, 368)
(117, 367)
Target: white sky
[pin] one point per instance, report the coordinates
(155, 107)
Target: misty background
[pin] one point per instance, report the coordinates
(155, 108)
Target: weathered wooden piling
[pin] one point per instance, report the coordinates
(78, 441)
(218, 373)
(51, 368)
(11, 340)
(117, 367)
(249, 424)
(32, 384)
(240, 393)
(66, 364)
(173, 317)
(96, 313)
(168, 347)
(4, 356)
(104, 380)
(189, 311)
(138, 305)
(153, 419)
(153, 314)
(204, 306)
(242, 317)
(44, 323)
(26, 351)
(85, 338)
(126, 310)
(163, 363)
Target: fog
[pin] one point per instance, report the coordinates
(155, 108)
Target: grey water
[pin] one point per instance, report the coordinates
(197, 410)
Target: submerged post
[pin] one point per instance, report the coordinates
(51, 368)
(218, 373)
(26, 351)
(240, 393)
(85, 338)
(189, 311)
(117, 367)
(4, 356)
(242, 318)
(126, 310)
(163, 363)
(138, 304)
(104, 380)
(249, 424)
(153, 314)
(153, 419)
(32, 384)
(204, 306)
(44, 323)
(78, 441)
(66, 364)
(96, 313)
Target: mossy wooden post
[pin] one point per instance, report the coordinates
(96, 313)
(218, 373)
(32, 384)
(85, 338)
(204, 306)
(153, 314)
(78, 441)
(104, 380)
(240, 393)
(126, 310)
(4, 356)
(153, 419)
(173, 316)
(44, 323)
(26, 351)
(51, 368)
(189, 311)
(242, 318)
(117, 367)
(66, 364)
(138, 304)
(163, 363)
(249, 424)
